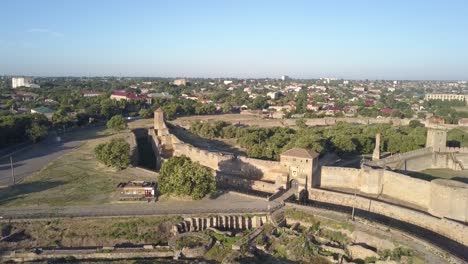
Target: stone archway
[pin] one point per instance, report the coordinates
(294, 184)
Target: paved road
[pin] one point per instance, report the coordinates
(34, 157)
(224, 203)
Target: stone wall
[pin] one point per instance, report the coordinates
(221, 222)
(132, 141)
(443, 198)
(237, 182)
(449, 199)
(405, 188)
(450, 229)
(339, 177)
(425, 158)
(155, 145)
(327, 121)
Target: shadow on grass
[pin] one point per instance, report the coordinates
(420, 175)
(12, 193)
(427, 177)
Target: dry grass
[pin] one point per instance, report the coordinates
(91, 232)
(75, 178)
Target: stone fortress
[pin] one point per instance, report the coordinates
(380, 186)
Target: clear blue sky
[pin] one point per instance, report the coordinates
(374, 39)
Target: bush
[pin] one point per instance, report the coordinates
(117, 122)
(115, 154)
(181, 176)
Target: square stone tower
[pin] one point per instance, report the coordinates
(301, 165)
(436, 138)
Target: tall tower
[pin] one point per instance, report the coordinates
(159, 123)
(436, 137)
(376, 153)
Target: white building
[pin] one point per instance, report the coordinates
(273, 95)
(284, 77)
(20, 82)
(446, 97)
(180, 82)
(227, 82)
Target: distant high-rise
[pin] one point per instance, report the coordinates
(284, 77)
(19, 82)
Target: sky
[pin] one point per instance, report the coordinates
(350, 39)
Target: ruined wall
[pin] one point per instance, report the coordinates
(221, 222)
(453, 230)
(449, 199)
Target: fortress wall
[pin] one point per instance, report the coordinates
(405, 188)
(327, 121)
(268, 169)
(132, 141)
(154, 141)
(339, 177)
(378, 181)
(450, 229)
(248, 184)
(393, 160)
(204, 157)
(449, 199)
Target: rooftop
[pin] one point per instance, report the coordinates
(300, 153)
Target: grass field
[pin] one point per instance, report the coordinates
(432, 174)
(69, 232)
(75, 178)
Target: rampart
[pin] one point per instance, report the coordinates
(444, 199)
(327, 121)
(425, 158)
(445, 227)
(132, 141)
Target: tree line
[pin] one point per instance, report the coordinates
(342, 138)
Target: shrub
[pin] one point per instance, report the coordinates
(117, 122)
(115, 154)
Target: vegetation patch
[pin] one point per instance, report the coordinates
(180, 176)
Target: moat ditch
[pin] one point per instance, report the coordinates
(146, 156)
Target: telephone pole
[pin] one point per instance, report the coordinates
(12, 170)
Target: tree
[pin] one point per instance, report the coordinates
(36, 132)
(180, 176)
(117, 122)
(145, 113)
(115, 154)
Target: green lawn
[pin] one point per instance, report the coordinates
(431, 174)
(75, 178)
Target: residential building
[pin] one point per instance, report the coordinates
(123, 95)
(43, 110)
(446, 97)
(180, 82)
(90, 93)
